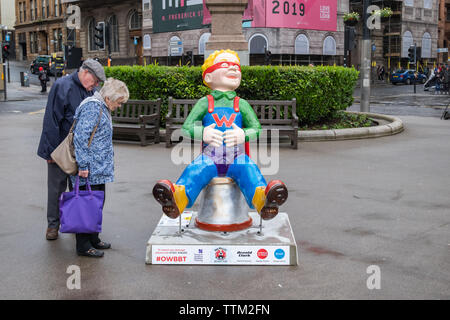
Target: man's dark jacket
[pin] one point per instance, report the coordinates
(64, 97)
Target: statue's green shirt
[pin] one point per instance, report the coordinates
(251, 125)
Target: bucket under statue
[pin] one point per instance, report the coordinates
(223, 207)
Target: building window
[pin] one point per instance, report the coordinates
(33, 42)
(135, 21)
(60, 40)
(20, 11)
(146, 5)
(147, 43)
(91, 35)
(24, 11)
(301, 44)
(35, 9)
(55, 40)
(32, 10)
(56, 12)
(409, 3)
(407, 41)
(71, 36)
(258, 43)
(43, 8)
(329, 46)
(428, 4)
(426, 45)
(113, 34)
(202, 42)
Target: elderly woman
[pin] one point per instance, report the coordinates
(95, 162)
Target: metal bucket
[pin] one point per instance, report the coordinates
(223, 207)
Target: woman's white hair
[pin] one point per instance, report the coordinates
(114, 90)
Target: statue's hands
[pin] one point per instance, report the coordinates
(234, 136)
(212, 136)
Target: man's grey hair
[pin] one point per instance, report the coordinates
(114, 90)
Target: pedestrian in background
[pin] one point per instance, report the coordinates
(43, 78)
(382, 73)
(96, 162)
(65, 96)
(445, 77)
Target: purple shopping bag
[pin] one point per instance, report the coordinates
(81, 211)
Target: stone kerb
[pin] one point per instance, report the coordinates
(388, 125)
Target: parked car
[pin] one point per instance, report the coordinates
(53, 66)
(40, 61)
(407, 77)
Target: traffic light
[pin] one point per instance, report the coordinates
(412, 54)
(350, 38)
(189, 58)
(5, 50)
(100, 35)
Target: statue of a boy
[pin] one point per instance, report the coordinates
(228, 123)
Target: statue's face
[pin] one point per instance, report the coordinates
(227, 77)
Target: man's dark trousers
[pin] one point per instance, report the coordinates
(57, 183)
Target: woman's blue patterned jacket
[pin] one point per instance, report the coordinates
(99, 157)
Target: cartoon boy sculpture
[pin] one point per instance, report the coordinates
(227, 124)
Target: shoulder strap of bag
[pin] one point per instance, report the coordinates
(96, 126)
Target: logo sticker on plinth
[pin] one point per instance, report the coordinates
(229, 255)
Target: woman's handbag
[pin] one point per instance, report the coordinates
(64, 154)
(81, 211)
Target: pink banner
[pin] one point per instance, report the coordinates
(297, 14)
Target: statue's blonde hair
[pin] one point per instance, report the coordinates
(210, 60)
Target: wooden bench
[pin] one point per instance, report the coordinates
(177, 113)
(273, 115)
(138, 118)
(278, 115)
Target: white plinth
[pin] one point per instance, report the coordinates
(275, 245)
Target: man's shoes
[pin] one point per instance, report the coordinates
(102, 245)
(92, 252)
(52, 233)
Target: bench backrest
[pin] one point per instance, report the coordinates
(179, 109)
(277, 112)
(131, 110)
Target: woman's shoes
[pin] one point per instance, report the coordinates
(102, 245)
(92, 252)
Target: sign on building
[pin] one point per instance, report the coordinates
(176, 15)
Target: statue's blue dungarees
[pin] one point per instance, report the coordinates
(222, 161)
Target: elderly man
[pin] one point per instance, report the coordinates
(65, 96)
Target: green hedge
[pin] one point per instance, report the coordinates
(320, 91)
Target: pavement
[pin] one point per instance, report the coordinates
(354, 205)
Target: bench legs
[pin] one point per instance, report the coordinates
(294, 141)
(143, 138)
(168, 141)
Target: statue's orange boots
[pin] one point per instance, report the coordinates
(267, 199)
